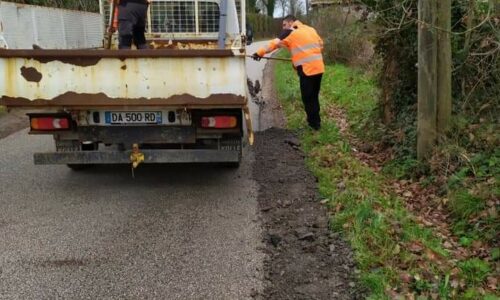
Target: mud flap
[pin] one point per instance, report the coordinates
(248, 121)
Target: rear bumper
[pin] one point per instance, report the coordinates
(150, 156)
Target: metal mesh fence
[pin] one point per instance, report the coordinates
(49, 28)
(209, 17)
(173, 16)
(167, 16)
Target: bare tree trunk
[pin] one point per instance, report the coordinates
(269, 6)
(495, 5)
(388, 85)
(468, 25)
(294, 7)
(283, 4)
(444, 66)
(427, 87)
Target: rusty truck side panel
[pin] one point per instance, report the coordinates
(161, 77)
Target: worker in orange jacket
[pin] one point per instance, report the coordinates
(305, 46)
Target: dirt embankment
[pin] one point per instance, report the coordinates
(305, 260)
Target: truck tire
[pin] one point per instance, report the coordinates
(78, 167)
(231, 165)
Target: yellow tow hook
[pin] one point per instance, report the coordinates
(136, 157)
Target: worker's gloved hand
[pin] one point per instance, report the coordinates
(256, 56)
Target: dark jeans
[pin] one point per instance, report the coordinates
(309, 89)
(132, 24)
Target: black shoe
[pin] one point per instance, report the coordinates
(315, 127)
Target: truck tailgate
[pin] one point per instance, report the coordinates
(82, 78)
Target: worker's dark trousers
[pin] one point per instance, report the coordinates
(309, 89)
(132, 24)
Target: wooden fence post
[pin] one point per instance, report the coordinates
(427, 84)
(444, 65)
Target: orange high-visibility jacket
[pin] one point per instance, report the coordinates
(115, 12)
(305, 45)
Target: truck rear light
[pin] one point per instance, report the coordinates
(219, 122)
(49, 123)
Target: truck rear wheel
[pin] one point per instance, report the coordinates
(231, 165)
(78, 167)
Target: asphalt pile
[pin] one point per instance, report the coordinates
(304, 258)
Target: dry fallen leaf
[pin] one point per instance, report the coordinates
(408, 194)
(462, 283)
(406, 278)
(493, 212)
(477, 244)
(447, 245)
(410, 296)
(431, 255)
(416, 247)
(492, 283)
(426, 223)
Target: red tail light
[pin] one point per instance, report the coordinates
(219, 122)
(49, 123)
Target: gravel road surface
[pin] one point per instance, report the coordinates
(173, 232)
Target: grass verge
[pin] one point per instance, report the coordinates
(397, 256)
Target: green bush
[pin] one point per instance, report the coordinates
(476, 63)
(263, 26)
(464, 205)
(346, 38)
(475, 270)
(476, 80)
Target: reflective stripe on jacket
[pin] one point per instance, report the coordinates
(305, 45)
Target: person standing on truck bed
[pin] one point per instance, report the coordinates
(305, 45)
(132, 23)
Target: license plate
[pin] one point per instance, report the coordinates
(133, 117)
